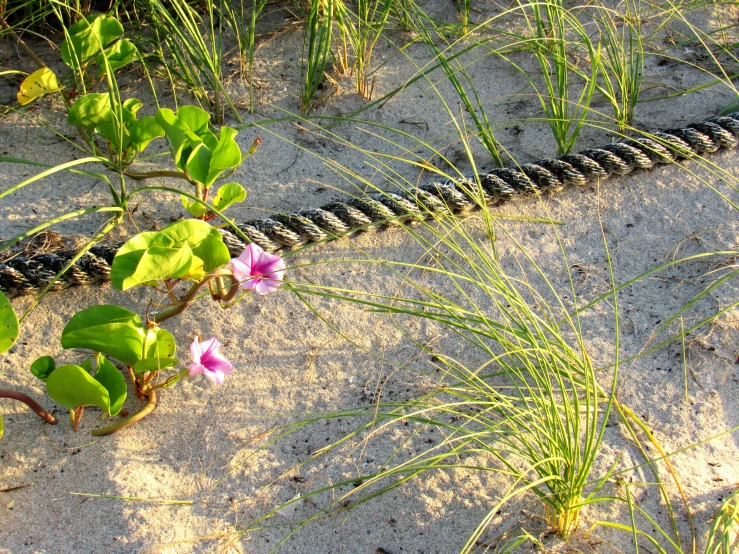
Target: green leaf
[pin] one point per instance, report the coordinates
(159, 351)
(205, 241)
(228, 193)
(181, 139)
(196, 209)
(8, 324)
(43, 367)
(196, 120)
(90, 110)
(71, 386)
(89, 37)
(205, 166)
(187, 133)
(227, 155)
(112, 330)
(130, 107)
(143, 131)
(120, 54)
(154, 364)
(87, 365)
(149, 257)
(112, 380)
(185, 249)
(198, 164)
(159, 344)
(111, 131)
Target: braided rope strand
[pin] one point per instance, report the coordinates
(24, 275)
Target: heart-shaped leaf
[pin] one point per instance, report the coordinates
(198, 163)
(143, 131)
(159, 351)
(112, 380)
(8, 324)
(96, 112)
(120, 54)
(159, 344)
(71, 386)
(196, 120)
(43, 367)
(226, 155)
(228, 193)
(186, 249)
(112, 132)
(205, 165)
(130, 107)
(196, 209)
(149, 257)
(37, 84)
(205, 241)
(181, 139)
(154, 364)
(112, 330)
(90, 110)
(89, 37)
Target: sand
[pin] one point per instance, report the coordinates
(75, 493)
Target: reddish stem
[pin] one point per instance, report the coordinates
(122, 424)
(75, 416)
(30, 402)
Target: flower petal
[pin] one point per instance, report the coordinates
(276, 264)
(242, 274)
(218, 363)
(255, 265)
(216, 376)
(195, 368)
(249, 255)
(209, 361)
(263, 286)
(195, 350)
(210, 347)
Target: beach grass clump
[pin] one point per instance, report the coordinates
(371, 19)
(556, 33)
(723, 538)
(317, 45)
(195, 51)
(517, 395)
(622, 62)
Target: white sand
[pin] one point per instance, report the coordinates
(289, 363)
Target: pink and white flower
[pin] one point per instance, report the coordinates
(207, 360)
(257, 270)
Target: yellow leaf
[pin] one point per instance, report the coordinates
(36, 85)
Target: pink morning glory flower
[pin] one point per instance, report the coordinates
(257, 270)
(207, 360)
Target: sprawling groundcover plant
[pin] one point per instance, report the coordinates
(188, 252)
(185, 261)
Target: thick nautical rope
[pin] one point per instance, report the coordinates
(27, 275)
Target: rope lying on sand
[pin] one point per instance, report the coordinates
(28, 275)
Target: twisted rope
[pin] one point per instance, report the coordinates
(28, 275)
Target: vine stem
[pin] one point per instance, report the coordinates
(30, 402)
(185, 301)
(158, 173)
(124, 423)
